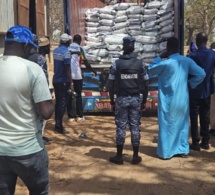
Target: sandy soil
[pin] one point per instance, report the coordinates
(81, 166)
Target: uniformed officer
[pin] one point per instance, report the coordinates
(128, 79)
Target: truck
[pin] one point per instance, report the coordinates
(95, 89)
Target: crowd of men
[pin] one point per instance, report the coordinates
(185, 86)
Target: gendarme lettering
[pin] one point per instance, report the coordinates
(129, 76)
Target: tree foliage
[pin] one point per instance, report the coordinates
(199, 17)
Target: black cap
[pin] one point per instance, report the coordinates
(128, 40)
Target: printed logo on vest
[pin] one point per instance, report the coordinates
(129, 76)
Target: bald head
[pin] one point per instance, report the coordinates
(201, 39)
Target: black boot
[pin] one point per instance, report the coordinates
(136, 159)
(118, 158)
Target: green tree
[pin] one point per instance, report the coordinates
(199, 17)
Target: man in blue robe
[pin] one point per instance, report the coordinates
(173, 94)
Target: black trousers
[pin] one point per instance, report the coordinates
(78, 86)
(61, 96)
(200, 107)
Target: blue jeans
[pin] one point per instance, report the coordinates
(31, 169)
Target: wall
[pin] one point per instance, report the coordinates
(56, 20)
(77, 14)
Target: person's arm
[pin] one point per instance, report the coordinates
(45, 109)
(89, 67)
(112, 73)
(67, 61)
(40, 93)
(145, 77)
(198, 74)
(85, 61)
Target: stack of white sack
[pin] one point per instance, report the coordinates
(150, 25)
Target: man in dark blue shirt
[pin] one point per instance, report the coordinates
(201, 95)
(62, 80)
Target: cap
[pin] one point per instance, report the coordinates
(65, 37)
(21, 34)
(43, 41)
(128, 40)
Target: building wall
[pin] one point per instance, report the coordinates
(56, 20)
(77, 14)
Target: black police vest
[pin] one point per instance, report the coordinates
(128, 79)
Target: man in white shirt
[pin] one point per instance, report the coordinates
(24, 99)
(78, 56)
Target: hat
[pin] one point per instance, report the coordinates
(65, 37)
(43, 41)
(21, 34)
(128, 40)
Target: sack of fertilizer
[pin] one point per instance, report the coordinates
(121, 13)
(92, 58)
(92, 24)
(150, 47)
(120, 19)
(167, 22)
(162, 46)
(104, 28)
(95, 44)
(99, 52)
(165, 11)
(92, 19)
(167, 4)
(153, 28)
(121, 6)
(135, 32)
(135, 22)
(148, 55)
(106, 22)
(116, 39)
(92, 12)
(150, 11)
(146, 39)
(135, 10)
(134, 27)
(149, 24)
(167, 35)
(138, 47)
(107, 10)
(154, 33)
(154, 4)
(135, 16)
(93, 39)
(120, 25)
(165, 29)
(150, 17)
(114, 47)
(106, 16)
(120, 31)
(91, 29)
(166, 17)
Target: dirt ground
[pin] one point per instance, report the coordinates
(81, 166)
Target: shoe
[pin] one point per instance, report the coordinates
(71, 120)
(181, 155)
(117, 160)
(195, 147)
(61, 130)
(80, 119)
(136, 160)
(204, 146)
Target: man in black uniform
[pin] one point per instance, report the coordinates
(128, 78)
